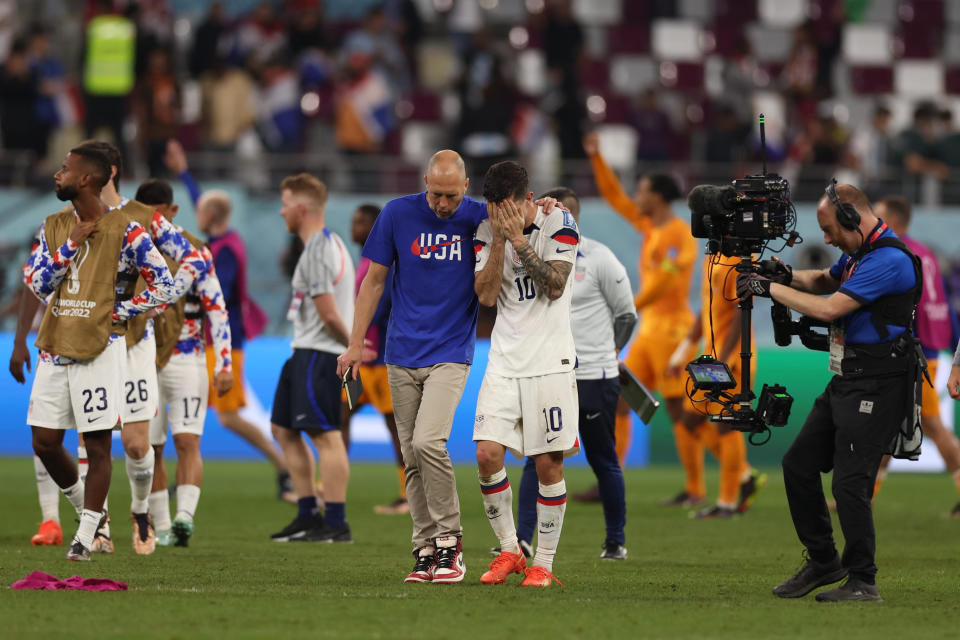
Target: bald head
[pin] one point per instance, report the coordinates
(446, 181)
(213, 210)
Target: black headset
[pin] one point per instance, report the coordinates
(847, 214)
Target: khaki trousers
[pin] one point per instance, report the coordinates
(424, 401)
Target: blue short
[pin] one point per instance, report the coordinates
(308, 392)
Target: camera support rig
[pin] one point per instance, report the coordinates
(739, 221)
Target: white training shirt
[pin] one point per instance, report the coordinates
(324, 266)
(601, 292)
(532, 335)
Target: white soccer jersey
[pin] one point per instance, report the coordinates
(532, 335)
(601, 292)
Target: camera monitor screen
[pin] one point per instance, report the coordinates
(711, 375)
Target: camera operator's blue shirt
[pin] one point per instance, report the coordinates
(881, 272)
(434, 314)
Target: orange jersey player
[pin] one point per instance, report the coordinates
(666, 268)
(720, 330)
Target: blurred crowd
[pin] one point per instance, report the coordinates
(285, 77)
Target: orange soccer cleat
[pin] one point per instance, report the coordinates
(49, 533)
(538, 577)
(502, 566)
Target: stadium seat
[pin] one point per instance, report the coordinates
(770, 43)
(882, 11)
(926, 13)
(531, 72)
(437, 64)
(511, 13)
(952, 81)
(628, 38)
(782, 13)
(682, 76)
(951, 45)
(597, 12)
(919, 40)
(871, 79)
(952, 13)
(921, 78)
(867, 44)
(419, 140)
(699, 10)
(426, 106)
(619, 144)
(631, 74)
(595, 74)
(676, 40)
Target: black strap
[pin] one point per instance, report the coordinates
(896, 309)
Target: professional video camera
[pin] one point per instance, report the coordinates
(740, 221)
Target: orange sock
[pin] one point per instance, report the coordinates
(690, 453)
(709, 437)
(402, 477)
(623, 436)
(733, 457)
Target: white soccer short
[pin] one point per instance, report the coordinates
(529, 416)
(140, 389)
(183, 397)
(86, 395)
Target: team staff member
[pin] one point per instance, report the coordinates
(307, 399)
(79, 379)
(934, 329)
(430, 341)
(666, 269)
(874, 288)
(602, 319)
(953, 382)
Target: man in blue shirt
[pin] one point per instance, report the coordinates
(430, 339)
(874, 289)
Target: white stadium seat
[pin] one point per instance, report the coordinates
(677, 40)
(782, 13)
(770, 44)
(867, 44)
(631, 74)
(919, 78)
(619, 145)
(598, 12)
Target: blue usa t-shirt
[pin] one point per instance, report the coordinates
(882, 272)
(434, 313)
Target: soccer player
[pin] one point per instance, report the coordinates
(182, 378)
(79, 378)
(307, 400)
(602, 319)
(430, 340)
(528, 398)
(373, 371)
(141, 389)
(934, 330)
(719, 328)
(666, 269)
(247, 319)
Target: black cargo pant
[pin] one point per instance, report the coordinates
(848, 430)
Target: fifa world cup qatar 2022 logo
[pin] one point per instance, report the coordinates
(73, 281)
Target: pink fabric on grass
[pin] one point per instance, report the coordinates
(41, 581)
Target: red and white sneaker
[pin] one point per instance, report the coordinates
(538, 577)
(450, 567)
(502, 566)
(49, 533)
(423, 569)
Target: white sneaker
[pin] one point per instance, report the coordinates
(450, 566)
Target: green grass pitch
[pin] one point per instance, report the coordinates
(684, 578)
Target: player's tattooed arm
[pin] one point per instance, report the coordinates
(549, 277)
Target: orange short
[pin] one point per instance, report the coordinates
(233, 399)
(649, 356)
(376, 388)
(930, 400)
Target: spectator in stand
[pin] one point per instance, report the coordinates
(948, 145)
(726, 139)
(740, 74)
(157, 107)
(261, 36)
(50, 74)
(487, 106)
(108, 71)
(379, 43)
(915, 149)
(563, 49)
(246, 318)
(305, 28)
(653, 129)
(869, 151)
(799, 75)
(19, 91)
(229, 105)
(206, 41)
(408, 26)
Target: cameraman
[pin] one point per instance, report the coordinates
(874, 288)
